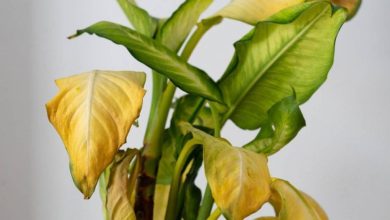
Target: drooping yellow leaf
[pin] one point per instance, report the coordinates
(239, 179)
(93, 113)
(253, 11)
(119, 191)
(291, 204)
(314, 204)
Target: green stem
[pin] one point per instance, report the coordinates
(152, 141)
(151, 152)
(207, 204)
(176, 179)
(215, 215)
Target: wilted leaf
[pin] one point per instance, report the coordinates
(119, 189)
(234, 175)
(93, 113)
(139, 18)
(273, 58)
(352, 6)
(159, 58)
(291, 204)
(284, 121)
(253, 11)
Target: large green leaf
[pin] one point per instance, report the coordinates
(157, 57)
(284, 121)
(175, 30)
(274, 57)
(172, 34)
(139, 18)
(239, 179)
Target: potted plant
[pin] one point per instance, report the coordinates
(276, 67)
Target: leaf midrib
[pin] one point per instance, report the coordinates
(271, 63)
(89, 98)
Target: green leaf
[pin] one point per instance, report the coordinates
(284, 121)
(139, 18)
(176, 29)
(173, 33)
(191, 108)
(234, 175)
(273, 58)
(159, 58)
(168, 159)
(192, 199)
(352, 6)
(292, 204)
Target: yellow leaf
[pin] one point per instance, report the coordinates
(119, 192)
(253, 11)
(239, 179)
(291, 204)
(93, 113)
(352, 6)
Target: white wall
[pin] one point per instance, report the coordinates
(341, 157)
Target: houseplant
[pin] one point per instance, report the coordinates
(276, 67)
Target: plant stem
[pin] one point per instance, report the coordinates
(207, 205)
(176, 179)
(215, 215)
(151, 152)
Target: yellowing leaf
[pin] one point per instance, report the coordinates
(253, 11)
(239, 179)
(119, 191)
(352, 6)
(291, 204)
(314, 204)
(93, 113)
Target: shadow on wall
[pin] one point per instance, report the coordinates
(15, 120)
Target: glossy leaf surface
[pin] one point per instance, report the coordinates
(274, 58)
(138, 17)
(159, 58)
(291, 204)
(284, 121)
(93, 113)
(234, 175)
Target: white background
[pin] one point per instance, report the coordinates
(340, 158)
